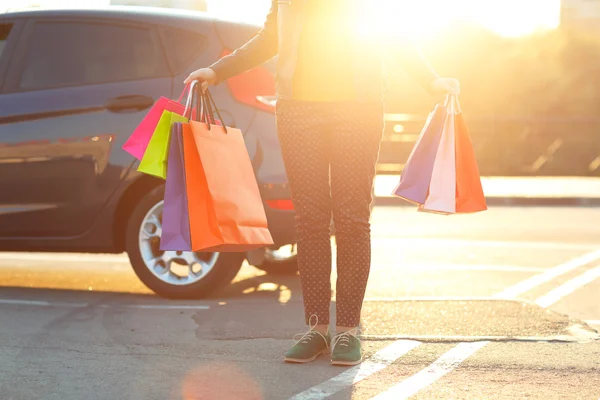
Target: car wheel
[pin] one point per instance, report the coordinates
(283, 261)
(174, 274)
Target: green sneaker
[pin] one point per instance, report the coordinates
(309, 347)
(346, 349)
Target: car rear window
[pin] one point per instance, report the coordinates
(4, 31)
(182, 47)
(78, 53)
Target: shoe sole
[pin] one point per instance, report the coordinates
(347, 363)
(306, 360)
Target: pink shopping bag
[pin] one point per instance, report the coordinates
(442, 187)
(137, 143)
(416, 175)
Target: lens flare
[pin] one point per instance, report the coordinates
(220, 380)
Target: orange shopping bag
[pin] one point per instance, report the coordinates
(469, 192)
(225, 207)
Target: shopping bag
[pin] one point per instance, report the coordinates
(224, 203)
(155, 158)
(175, 217)
(442, 187)
(137, 143)
(416, 175)
(154, 161)
(469, 192)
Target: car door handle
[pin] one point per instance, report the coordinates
(129, 103)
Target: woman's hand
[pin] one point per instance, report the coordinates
(444, 86)
(206, 76)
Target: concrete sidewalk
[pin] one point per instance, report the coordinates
(499, 190)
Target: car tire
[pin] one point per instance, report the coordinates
(223, 266)
(274, 265)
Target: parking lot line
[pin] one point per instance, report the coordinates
(417, 267)
(454, 357)
(569, 287)
(68, 304)
(575, 336)
(432, 241)
(158, 306)
(431, 298)
(65, 257)
(548, 275)
(443, 365)
(380, 360)
(20, 302)
(451, 359)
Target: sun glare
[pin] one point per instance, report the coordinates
(419, 18)
(426, 17)
(422, 18)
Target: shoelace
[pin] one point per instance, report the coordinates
(308, 336)
(343, 339)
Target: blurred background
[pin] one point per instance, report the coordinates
(529, 73)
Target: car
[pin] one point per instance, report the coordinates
(74, 84)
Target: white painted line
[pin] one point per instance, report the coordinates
(65, 257)
(156, 306)
(548, 275)
(568, 287)
(592, 321)
(446, 363)
(575, 337)
(452, 359)
(380, 360)
(431, 298)
(401, 242)
(24, 302)
(458, 267)
(20, 302)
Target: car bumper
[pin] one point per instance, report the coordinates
(280, 214)
(282, 225)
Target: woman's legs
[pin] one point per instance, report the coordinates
(305, 143)
(344, 138)
(356, 137)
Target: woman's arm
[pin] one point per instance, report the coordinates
(407, 56)
(256, 51)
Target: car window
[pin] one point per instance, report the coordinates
(4, 31)
(182, 47)
(74, 53)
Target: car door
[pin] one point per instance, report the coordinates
(74, 91)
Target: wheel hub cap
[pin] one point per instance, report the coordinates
(172, 267)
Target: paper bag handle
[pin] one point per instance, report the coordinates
(190, 100)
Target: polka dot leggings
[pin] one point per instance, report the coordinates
(330, 150)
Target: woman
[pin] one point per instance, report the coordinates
(330, 125)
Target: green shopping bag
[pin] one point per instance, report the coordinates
(155, 158)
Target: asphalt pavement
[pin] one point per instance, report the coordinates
(503, 304)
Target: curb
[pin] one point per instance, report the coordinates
(511, 201)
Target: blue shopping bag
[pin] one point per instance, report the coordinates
(416, 175)
(176, 219)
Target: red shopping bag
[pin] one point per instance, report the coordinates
(137, 143)
(225, 207)
(469, 192)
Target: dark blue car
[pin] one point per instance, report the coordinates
(73, 86)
